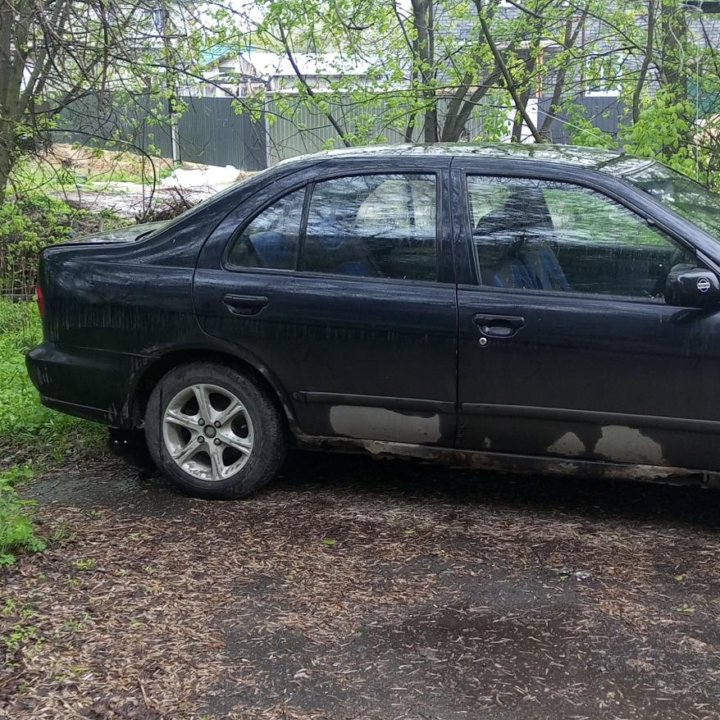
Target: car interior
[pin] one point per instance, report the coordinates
(513, 246)
(372, 226)
(519, 246)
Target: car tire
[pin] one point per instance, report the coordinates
(213, 431)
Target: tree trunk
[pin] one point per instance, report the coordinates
(5, 168)
(673, 65)
(510, 83)
(423, 19)
(569, 41)
(14, 33)
(673, 48)
(647, 59)
(462, 106)
(7, 138)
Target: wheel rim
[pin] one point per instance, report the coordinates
(208, 432)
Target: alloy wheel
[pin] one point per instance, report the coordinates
(208, 432)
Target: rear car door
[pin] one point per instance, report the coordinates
(567, 348)
(337, 284)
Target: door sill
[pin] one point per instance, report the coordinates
(514, 463)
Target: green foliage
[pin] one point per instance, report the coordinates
(84, 564)
(26, 226)
(663, 131)
(666, 130)
(583, 132)
(26, 426)
(32, 175)
(16, 528)
(28, 431)
(30, 223)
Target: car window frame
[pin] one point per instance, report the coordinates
(584, 178)
(309, 185)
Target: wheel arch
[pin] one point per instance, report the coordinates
(148, 378)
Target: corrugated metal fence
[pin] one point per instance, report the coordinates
(604, 111)
(295, 129)
(211, 131)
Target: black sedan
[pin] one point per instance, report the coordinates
(517, 307)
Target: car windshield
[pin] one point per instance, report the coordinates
(684, 196)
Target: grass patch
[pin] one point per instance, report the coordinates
(64, 167)
(16, 528)
(29, 432)
(31, 436)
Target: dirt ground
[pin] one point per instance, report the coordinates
(359, 589)
(92, 162)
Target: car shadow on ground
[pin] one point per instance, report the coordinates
(335, 478)
(410, 481)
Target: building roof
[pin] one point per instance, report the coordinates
(268, 64)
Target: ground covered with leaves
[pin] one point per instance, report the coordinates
(353, 588)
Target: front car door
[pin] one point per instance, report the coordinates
(567, 348)
(337, 283)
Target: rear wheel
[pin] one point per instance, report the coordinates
(213, 431)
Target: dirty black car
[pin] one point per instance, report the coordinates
(513, 307)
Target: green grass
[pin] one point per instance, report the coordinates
(31, 175)
(16, 527)
(31, 436)
(25, 425)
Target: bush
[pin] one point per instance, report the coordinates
(27, 226)
(33, 222)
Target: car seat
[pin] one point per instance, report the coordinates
(274, 250)
(513, 245)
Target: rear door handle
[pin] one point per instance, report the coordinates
(499, 326)
(245, 304)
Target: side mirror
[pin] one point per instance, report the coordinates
(692, 287)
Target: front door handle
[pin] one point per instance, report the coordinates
(499, 326)
(245, 304)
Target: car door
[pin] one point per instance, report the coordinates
(338, 285)
(567, 347)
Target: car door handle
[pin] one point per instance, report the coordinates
(245, 304)
(499, 326)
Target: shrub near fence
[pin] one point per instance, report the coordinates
(27, 226)
(31, 223)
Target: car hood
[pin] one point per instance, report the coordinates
(127, 234)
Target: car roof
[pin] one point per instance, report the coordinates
(564, 154)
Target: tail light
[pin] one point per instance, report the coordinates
(40, 301)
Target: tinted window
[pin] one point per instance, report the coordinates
(272, 239)
(542, 235)
(373, 226)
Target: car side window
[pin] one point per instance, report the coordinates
(272, 238)
(373, 226)
(547, 235)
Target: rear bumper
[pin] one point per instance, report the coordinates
(88, 383)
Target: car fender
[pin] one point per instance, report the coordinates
(148, 372)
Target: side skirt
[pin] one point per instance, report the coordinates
(509, 463)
